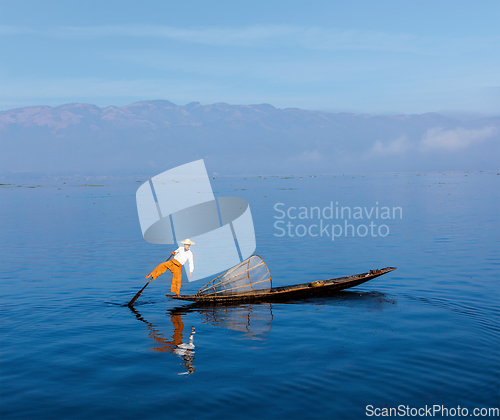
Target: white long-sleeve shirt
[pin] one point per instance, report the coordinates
(182, 256)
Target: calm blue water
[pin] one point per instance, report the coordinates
(428, 333)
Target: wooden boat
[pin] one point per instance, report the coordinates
(297, 291)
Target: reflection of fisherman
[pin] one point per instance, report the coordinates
(182, 254)
(186, 351)
(176, 346)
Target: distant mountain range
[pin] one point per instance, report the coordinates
(151, 136)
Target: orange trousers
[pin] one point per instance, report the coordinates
(176, 268)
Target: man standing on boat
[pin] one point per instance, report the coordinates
(181, 254)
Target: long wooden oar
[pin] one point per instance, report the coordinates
(140, 291)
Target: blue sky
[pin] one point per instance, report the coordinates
(341, 56)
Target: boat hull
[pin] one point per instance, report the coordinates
(298, 291)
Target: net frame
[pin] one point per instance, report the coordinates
(222, 281)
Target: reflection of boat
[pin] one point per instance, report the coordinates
(251, 281)
(253, 320)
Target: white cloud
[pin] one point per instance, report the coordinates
(396, 147)
(309, 37)
(310, 156)
(454, 139)
(211, 35)
(16, 30)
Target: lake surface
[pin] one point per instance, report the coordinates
(72, 255)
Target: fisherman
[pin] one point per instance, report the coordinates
(182, 254)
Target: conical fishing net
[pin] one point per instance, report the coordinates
(251, 275)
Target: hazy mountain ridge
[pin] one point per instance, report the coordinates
(160, 112)
(153, 135)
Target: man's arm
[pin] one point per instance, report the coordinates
(175, 252)
(191, 264)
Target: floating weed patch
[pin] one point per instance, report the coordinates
(89, 185)
(287, 177)
(6, 184)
